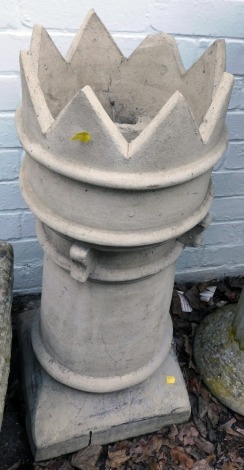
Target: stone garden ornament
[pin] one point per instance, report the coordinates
(220, 356)
(119, 154)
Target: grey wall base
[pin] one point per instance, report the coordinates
(62, 420)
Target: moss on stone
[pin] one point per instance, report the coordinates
(220, 359)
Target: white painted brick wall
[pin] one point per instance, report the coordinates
(195, 24)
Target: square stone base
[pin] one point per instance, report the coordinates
(61, 420)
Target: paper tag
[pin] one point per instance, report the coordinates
(185, 306)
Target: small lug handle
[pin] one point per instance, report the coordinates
(82, 262)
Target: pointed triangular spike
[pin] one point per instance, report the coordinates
(148, 78)
(36, 44)
(94, 56)
(163, 48)
(56, 77)
(220, 63)
(203, 77)
(171, 139)
(84, 113)
(35, 112)
(214, 121)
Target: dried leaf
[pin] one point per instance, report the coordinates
(159, 466)
(210, 458)
(188, 346)
(240, 430)
(204, 445)
(194, 452)
(176, 304)
(156, 443)
(230, 466)
(117, 458)
(203, 406)
(49, 465)
(173, 431)
(141, 452)
(181, 458)
(203, 285)
(200, 425)
(236, 282)
(214, 411)
(193, 297)
(187, 434)
(205, 393)
(122, 445)
(170, 443)
(202, 465)
(15, 466)
(227, 427)
(86, 458)
(239, 417)
(224, 292)
(147, 448)
(194, 384)
(66, 465)
(219, 450)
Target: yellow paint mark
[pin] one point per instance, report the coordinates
(170, 379)
(82, 137)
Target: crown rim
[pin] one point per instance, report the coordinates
(121, 179)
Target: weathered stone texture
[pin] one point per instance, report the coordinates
(220, 358)
(113, 216)
(6, 278)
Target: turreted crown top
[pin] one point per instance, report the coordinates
(146, 115)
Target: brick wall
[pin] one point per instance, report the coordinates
(195, 25)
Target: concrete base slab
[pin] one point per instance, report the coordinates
(62, 420)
